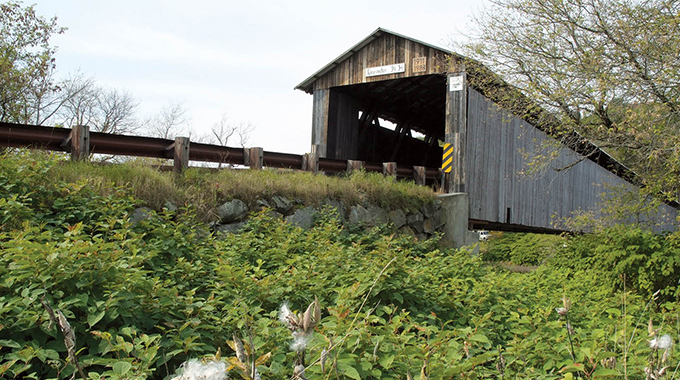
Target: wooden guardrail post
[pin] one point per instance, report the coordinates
(390, 169)
(419, 175)
(80, 143)
(353, 165)
(253, 157)
(181, 153)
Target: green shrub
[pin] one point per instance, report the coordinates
(522, 248)
(627, 257)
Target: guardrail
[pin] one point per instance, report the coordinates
(80, 143)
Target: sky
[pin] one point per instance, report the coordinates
(241, 59)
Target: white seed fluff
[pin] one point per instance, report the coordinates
(196, 370)
(663, 343)
(285, 316)
(300, 342)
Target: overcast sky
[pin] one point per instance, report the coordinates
(239, 58)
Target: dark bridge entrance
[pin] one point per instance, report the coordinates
(415, 108)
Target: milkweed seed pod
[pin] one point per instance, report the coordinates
(324, 356)
(240, 351)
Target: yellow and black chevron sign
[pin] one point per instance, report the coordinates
(447, 158)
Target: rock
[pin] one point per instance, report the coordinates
(230, 228)
(427, 210)
(337, 207)
(359, 215)
(370, 216)
(378, 215)
(431, 207)
(416, 220)
(139, 214)
(406, 230)
(397, 218)
(274, 214)
(261, 203)
(281, 204)
(232, 211)
(429, 226)
(303, 218)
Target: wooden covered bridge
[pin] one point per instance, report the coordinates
(391, 98)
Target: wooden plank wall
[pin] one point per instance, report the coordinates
(504, 179)
(343, 126)
(387, 49)
(320, 120)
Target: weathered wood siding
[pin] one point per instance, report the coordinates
(386, 49)
(320, 121)
(507, 184)
(343, 126)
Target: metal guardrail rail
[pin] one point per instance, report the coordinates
(80, 142)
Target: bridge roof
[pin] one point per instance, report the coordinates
(307, 84)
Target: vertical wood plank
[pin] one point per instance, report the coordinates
(456, 126)
(320, 121)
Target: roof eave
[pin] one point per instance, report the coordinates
(307, 84)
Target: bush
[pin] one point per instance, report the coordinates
(522, 248)
(627, 257)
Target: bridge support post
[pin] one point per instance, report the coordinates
(456, 207)
(456, 126)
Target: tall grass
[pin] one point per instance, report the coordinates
(205, 189)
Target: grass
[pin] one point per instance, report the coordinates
(205, 190)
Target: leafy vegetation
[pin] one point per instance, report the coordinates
(205, 190)
(142, 298)
(522, 248)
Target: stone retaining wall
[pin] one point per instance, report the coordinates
(422, 223)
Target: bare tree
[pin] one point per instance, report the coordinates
(102, 109)
(170, 121)
(223, 131)
(116, 111)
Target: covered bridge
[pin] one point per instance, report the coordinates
(391, 98)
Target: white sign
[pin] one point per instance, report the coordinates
(456, 83)
(386, 70)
